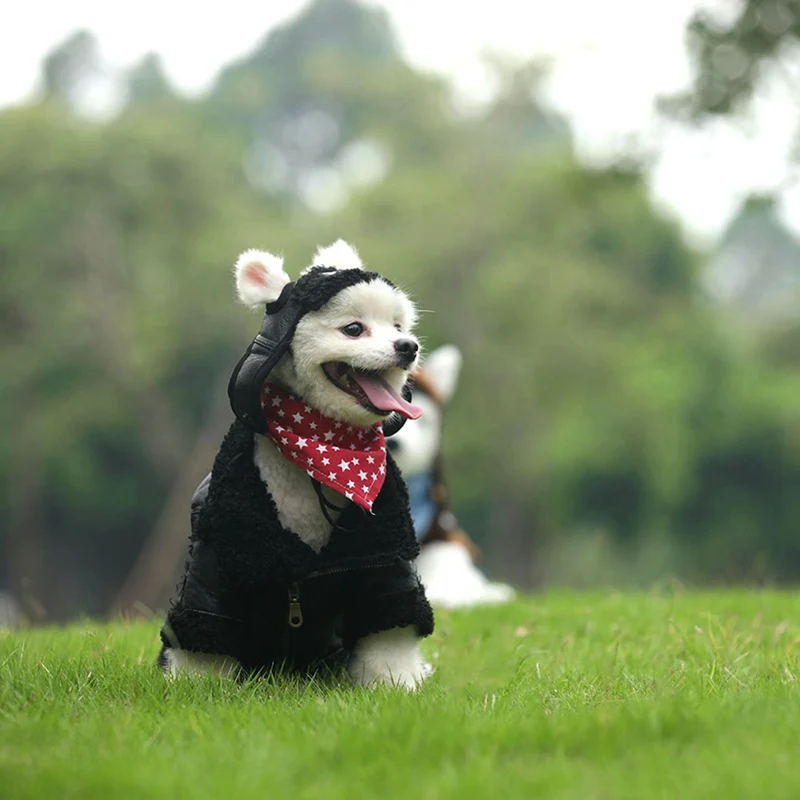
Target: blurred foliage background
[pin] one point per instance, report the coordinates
(628, 406)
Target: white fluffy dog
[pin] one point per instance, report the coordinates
(446, 564)
(302, 545)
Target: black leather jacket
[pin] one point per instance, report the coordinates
(255, 591)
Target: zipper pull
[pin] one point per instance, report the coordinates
(295, 611)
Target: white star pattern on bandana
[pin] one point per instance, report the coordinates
(292, 426)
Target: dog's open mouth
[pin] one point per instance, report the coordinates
(370, 389)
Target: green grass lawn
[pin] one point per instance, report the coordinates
(564, 695)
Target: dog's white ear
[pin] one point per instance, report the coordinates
(339, 255)
(259, 277)
(442, 367)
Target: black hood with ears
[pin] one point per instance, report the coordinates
(310, 292)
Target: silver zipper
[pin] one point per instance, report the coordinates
(295, 610)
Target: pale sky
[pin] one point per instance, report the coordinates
(612, 59)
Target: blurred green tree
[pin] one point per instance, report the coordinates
(736, 47)
(755, 271)
(327, 102)
(148, 86)
(68, 67)
(114, 333)
(544, 274)
(602, 392)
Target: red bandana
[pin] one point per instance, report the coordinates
(348, 459)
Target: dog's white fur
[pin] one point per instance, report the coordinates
(391, 657)
(446, 569)
(185, 662)
(295, 499)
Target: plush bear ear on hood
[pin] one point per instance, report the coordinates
(339, 255)
(259, 277)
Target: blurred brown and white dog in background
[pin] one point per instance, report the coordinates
(446, 564)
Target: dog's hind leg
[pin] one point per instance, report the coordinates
(186, 662)
(391, 657)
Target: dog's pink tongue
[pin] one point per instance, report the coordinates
(384, 397)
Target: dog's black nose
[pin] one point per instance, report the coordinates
(406, 350)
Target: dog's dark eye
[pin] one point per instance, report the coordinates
(398, 326)
(354, 329)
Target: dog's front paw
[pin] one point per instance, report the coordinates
(390, 657)
(177, 662)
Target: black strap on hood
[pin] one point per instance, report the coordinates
(309, 293)
(260, 358)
